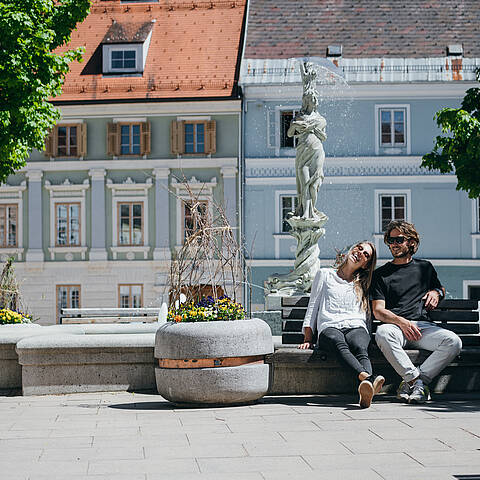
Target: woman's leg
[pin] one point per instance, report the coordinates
(333, 340)
(358, 340)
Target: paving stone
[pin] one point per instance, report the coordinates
(204, 450)
(292, 425)
(127, 451)
(331, 474)
(371, 460)
(205, 476)
(172, 466)
(262, 436)
(304, 448)
(385, 446)
(448, 459)
(257, 464)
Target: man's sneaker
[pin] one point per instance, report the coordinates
(420, 392)
(365, 390)
(404, 391)
(378, 384)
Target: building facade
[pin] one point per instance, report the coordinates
(150, 117)
(380, 85)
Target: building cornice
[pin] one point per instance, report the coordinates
(363, 91)
(143, 109)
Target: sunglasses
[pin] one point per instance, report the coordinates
(398, 240)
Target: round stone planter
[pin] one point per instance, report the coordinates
(213, 362)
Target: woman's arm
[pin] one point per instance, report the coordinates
(309, 323)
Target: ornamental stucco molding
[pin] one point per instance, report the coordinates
(338, 167)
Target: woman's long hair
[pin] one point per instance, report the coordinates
(363, 276)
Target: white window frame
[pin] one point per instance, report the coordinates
(475, 235)
(67, 192)
(128, 192)
(393, 150)
(378, 235)
(69, 287)
(469, 283)
(202, 191)
(279, 235)
(276, 114)
(13, 195)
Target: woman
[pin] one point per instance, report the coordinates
(337, 310)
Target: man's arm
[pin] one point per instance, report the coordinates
(409, 329)
(433, 296)
(308, 339)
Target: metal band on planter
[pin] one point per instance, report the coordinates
(210, 362)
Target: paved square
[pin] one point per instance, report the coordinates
(134, 436)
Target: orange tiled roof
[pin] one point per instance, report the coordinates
(194, 50)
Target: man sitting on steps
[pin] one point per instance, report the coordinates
(402, 293)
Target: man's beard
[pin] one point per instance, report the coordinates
(401, 253)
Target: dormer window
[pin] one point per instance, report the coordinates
(125, 47)
(123, 60)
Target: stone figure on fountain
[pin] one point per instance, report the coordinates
(308, 128)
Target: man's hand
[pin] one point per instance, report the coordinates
(432, 297)
(410, 330)
(305, 346)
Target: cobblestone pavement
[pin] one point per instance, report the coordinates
(139, 436)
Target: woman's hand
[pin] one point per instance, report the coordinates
(305, 346)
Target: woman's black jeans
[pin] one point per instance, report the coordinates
(350, 345)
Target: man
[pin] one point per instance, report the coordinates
(402, 292)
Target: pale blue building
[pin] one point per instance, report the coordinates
(379, 126)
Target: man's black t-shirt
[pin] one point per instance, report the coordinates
(403, 286)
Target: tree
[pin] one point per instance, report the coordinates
(31, 73)
(458, 150)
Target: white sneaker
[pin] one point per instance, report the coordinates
(420, 392)
(404, 391)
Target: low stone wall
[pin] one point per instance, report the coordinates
(65, 363)
(302, 372)
(11, 335)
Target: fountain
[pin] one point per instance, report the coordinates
(308, 127)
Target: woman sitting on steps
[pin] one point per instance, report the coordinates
(337, 311)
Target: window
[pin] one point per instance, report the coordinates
(128, 138)
(393, 207)
(67, 223)
(67, 141)
(192, 219)
(392, 127)
(195, 137)
(288, 203)
(68, 296)
(8, 225)
(130, 221)
(130, 296)
(285, 119)
(474, 292)
(123, 60)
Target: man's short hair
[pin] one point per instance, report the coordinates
(407, 229)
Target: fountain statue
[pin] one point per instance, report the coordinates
(308, 128)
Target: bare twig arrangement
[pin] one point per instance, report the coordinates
(211, 259)
(9, 287)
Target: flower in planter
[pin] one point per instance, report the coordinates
(8, 316)
(208, 309)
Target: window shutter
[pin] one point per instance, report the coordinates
(272, 134)
(48, 151)
(177, 137)
(82, 141)
(211, 137)
(112, 139)
(145, 138)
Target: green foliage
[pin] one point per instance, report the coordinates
(30, 73)
(458, 149)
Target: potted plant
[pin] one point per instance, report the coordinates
(208, 352)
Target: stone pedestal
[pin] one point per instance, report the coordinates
(307, 231)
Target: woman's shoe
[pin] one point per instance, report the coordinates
(366, 392)
(378, 384)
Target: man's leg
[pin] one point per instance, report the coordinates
(444, 345)
(391, 342)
